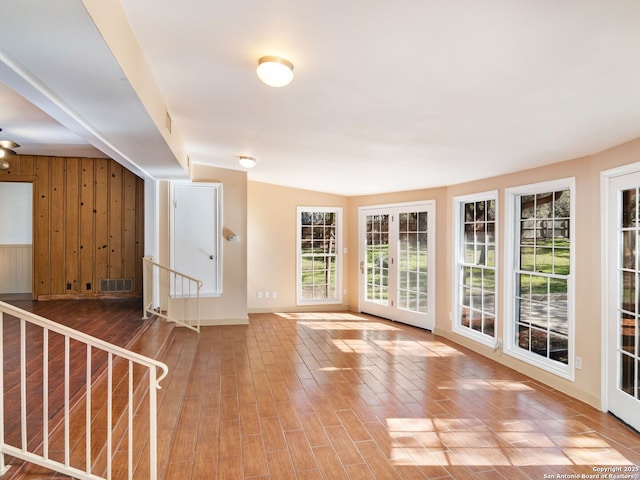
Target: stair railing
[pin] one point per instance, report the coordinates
(85, 422)
(171, 295)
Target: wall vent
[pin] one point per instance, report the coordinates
(118, 285)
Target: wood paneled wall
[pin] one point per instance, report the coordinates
(88, 224)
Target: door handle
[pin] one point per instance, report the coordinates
(212, 257)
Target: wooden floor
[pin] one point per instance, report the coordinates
(345, 396)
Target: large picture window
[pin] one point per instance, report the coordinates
(541, 275)
(475, 269)
(319, 244)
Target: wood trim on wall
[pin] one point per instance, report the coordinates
(88, 224)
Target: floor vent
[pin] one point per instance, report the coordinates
(119, 285)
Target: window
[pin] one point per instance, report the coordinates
(319, 260)
(539, 279)
(475, 268)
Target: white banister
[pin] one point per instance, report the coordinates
(124, 422)
(171, 295)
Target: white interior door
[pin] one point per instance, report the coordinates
(397, 256)
(623, 327)
(195, 234)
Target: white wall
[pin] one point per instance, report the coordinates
(16, 237)
(151, 217)
(16, 211)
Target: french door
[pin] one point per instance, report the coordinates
(622, 322)
(397, 260)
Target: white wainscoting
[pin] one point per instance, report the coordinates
(15, 268)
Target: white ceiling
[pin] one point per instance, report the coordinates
(387, 95)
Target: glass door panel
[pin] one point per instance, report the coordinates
(377, 259)
(412, 265)
(623, 320)
(395, 257)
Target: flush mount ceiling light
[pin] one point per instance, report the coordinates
(275, 71)
(246, 161)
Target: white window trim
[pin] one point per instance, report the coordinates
(330, 301)
(512, 228)
(479, 337)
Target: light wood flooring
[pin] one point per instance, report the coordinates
(346, 396)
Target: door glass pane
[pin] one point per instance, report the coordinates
(627, 373)
(377, 259)
(628, 333)
(628, 291)
(629, 211)
(629, 249)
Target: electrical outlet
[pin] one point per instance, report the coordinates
(579, 363)
(259, 295)
(274, 295)
(266, 294)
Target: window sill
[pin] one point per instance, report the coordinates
(556, 368)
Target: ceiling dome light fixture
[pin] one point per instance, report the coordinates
(246, 161)
(275, 71)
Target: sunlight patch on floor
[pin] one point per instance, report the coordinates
(468, 441)
(353, 346)
(477, 384)
(326, 316)
(418, 349)
(343, 369)
(393, 347)
(337, 325)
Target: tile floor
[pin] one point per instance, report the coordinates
(345, 396)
